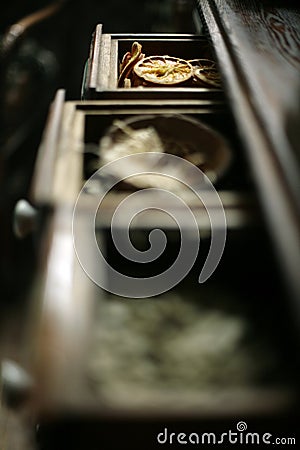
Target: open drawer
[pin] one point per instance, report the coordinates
(107, 51)
(69, 152)
(204, 356)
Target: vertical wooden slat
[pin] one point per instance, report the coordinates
(263, 91)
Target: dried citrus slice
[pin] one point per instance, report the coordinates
(209, 76)
(164, 70)
(202, 63)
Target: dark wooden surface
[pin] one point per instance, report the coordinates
(258, 48)
(266, 43)
(15, 432)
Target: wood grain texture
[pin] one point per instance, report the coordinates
(92, 72)
(266, 45)
(104, 62)
(258, 48)
(46, 160)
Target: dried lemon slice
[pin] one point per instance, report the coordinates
(163, 70)
(209, 76)
(202, 63)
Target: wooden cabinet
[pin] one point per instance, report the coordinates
(254, 294)
(257, 45)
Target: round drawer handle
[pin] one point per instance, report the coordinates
(25, 219)
(17, 384)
